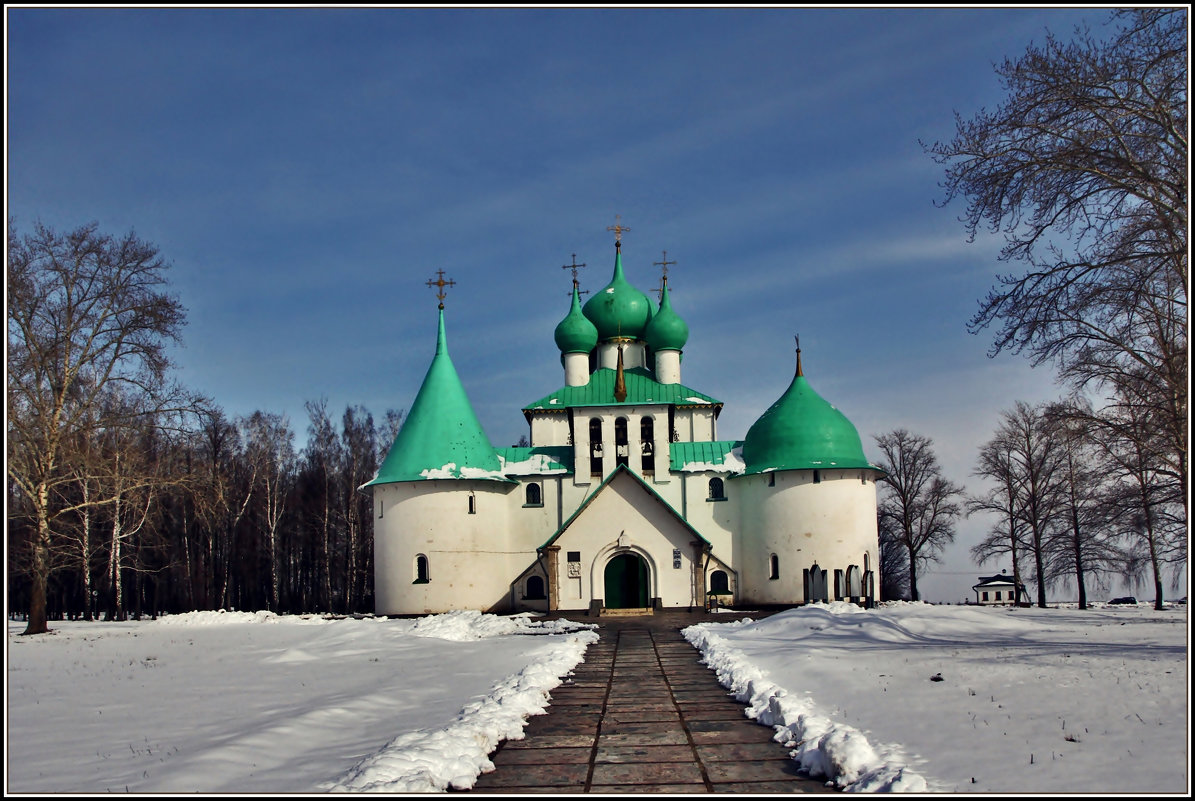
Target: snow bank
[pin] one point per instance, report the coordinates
(430, 761)
(821, 746)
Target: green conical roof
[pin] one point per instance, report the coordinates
(666, 331)
(441, 436)
(802, 431)
(576, 334)
(619, 310)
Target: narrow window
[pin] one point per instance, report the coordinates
(773, 567)
(839, 585)
(472, 504)
(534, 495)
(771, 479)
(817, 476)
(621, 447)
(421, 570)
(717, 490)
(381, 509)
(595, 447)
(647, 443)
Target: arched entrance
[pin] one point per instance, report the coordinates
(626, 582)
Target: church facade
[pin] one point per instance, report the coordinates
(625, 497)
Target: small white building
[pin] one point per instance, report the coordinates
(625, 497)
(999, 590)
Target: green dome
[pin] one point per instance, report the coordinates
(576, 334)
(619, 310)
(802, 431)
(666, 331)
(441, 436)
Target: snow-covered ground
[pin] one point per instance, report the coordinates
(1029, 701)
(921, 698)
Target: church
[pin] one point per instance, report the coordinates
(625, 498)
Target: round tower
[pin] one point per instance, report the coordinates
(809, 512)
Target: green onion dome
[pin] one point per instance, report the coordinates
(575, 334)
(802, 431)
(666, 331)
(619, 310)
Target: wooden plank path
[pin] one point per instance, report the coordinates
(641, 714)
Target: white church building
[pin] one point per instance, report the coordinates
(625, 497)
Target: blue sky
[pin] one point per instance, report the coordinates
(307, 170)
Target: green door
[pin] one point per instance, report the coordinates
(626, 582)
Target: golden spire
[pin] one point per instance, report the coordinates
(620, 381)
(440, 283)
(799, 371)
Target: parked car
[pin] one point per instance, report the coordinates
(1128, 599)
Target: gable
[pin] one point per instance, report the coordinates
(625, 504)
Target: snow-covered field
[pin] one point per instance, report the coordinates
(1029, 701)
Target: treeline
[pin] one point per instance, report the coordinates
(216, 514)
(128, 495)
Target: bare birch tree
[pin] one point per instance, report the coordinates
(87, 313)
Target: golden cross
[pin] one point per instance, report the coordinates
(440, 283)
(617, 228)
(664, 264)
(574, 267)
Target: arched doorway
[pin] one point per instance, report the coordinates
(626, 582)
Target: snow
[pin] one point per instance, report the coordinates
(536, 464)
(920, 698)
(1029, 700)
(732, 462)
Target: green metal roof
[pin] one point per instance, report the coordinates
(622, 468)
(802, 431)
(698, 457)
(641, 389)
(441, 436)
(544, 460)
(575, 334)
(666, 331)
(618, 309)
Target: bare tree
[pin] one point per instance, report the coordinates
(87, 312)
(270, 446)
(1002, 499)
(1084, 542)
(1145, 502)
(918, 507)
(1083, 169)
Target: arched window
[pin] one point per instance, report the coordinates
(621, 446)
(719, 583)
(421, 575)
(647, 443)
(773, 567)
(534, 495)
(717, 489)
(535, 589)
(472, 504)
(595, 446)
